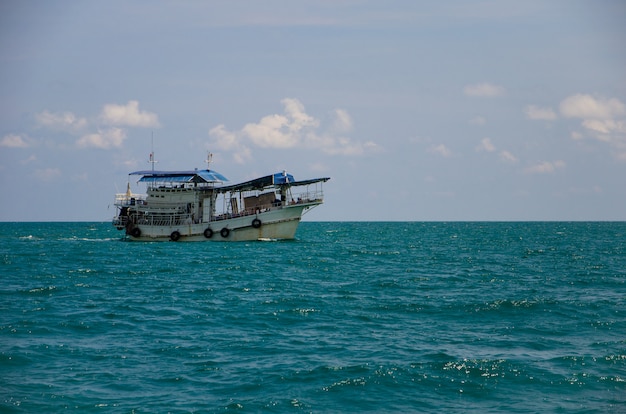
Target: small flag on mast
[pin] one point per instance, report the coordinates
(152, 161)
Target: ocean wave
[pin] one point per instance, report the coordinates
(378, 317)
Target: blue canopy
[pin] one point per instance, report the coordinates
(283, 178)
(195, 176)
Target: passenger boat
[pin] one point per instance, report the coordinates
(196, 205)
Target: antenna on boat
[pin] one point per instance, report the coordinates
(152, 160)
(209, 158)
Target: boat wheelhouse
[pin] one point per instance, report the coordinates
(196, 206)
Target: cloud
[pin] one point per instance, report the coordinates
(109, 134)
(605, 127)
(282, 131)
(545, 167)
(441, 149)
(273, 131)
(294, 128)
(484, 90)
(603, 119)
(109, 138)
(128, 115)
(506, 156)
(486, 145)
(343, 121)
(15, 141)
(587, 107)
(65, 121)
(224, 139)
(537, 113)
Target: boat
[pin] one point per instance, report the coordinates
(198, 205)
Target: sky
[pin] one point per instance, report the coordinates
(417, 110)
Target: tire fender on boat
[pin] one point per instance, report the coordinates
(175, 236)
(224, 232)
(135, 232)
(208, 233)
(256, 223)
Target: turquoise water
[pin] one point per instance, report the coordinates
(350, 317)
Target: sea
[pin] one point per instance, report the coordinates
(376, 317)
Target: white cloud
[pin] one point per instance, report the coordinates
(128, 115)
(506, 156)
(14, 141)
(577, 136)
(486, 145)
(485, 90)
(229, 141)
(343, 122)
(273, 131)
(605, 126)
(535, 112)
(112, 115)
(109, 138)
(441, 149)
(282, 131)
(294, 128)
(245, 154)
(603, 119)
(587, 107)
(295, 112)
(224, 139)
(371, 145)
(65, 121)
(545, 167)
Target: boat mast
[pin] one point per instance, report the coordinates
(209, 158)
(152, 160)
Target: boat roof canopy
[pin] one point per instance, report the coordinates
(193, 176)
(279, 179)
(209, 176)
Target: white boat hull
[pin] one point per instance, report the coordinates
(274, 224)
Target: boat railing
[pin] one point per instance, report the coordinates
(307, 197)
(173, 216)
(251, 211)
(120, 221)
(125, 200)
(166, 220)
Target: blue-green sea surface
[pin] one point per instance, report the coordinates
(349, 317)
